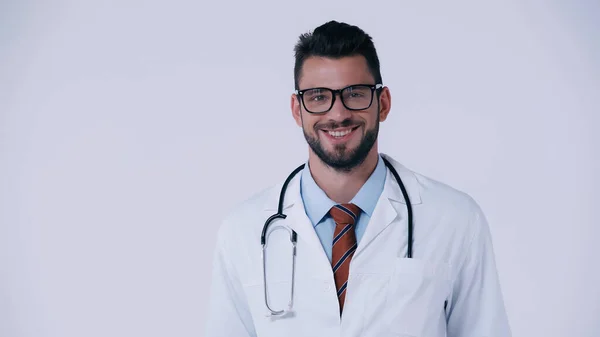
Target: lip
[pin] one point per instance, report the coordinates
(337, 140)
(342, 129)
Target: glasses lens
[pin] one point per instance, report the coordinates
(317, 100)
(357, 97)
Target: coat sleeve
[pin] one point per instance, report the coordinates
(228, 312)
(477, 307)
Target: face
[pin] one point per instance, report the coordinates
(341, 138)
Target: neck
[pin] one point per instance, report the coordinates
(339, 186)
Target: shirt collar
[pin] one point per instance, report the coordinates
(317, 204)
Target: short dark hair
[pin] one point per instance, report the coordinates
(336, 39)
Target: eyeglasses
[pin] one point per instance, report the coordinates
(354, 97)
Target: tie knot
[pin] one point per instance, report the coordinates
(344, 214)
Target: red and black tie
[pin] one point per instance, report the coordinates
(344, 246)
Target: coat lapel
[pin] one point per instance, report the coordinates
(385, 213)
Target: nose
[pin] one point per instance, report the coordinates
(338, 111)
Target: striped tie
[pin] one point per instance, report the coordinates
(344, 246)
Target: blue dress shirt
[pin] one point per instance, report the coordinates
(317, 204)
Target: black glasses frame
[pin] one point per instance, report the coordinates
(373, 87)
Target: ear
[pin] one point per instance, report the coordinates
(296, 109)
(385, 103)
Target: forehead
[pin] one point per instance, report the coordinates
(334, 73)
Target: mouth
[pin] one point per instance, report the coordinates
(340, 134)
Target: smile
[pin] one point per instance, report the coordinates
(340, 133)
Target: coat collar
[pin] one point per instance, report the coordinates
(391, 190)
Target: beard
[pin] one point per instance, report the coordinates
(343, 159)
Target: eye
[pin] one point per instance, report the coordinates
(317, 95)
(357, 92)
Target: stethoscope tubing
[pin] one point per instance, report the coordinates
(294, 236)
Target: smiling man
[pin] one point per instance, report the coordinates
(378, 249)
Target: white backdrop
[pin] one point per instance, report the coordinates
(124, 124)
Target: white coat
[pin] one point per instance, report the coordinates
(387, 294)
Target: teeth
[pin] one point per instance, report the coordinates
(339, 133)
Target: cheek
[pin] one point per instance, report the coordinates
(372, 118)
(309, 122)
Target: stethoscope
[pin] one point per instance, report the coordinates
(294, 236)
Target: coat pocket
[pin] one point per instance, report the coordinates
(415, 297)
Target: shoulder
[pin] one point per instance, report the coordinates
(450, 215)
(255, 203)
(441, 194)
(431, 192)
(448, 208)
(246, 218)
(457, 216)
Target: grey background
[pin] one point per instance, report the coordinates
(124, 124)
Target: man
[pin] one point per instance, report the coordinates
(353, 273)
